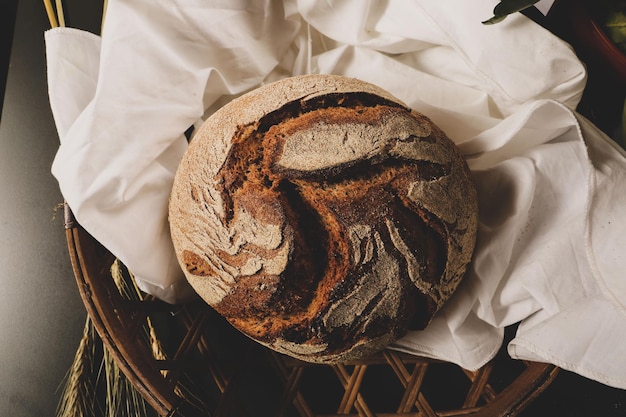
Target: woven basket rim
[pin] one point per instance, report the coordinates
(111, 314)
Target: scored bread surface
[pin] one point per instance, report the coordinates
(322, 217)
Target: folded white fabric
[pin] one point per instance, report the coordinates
(552, 188)
(159, 66)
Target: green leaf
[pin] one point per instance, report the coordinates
(616, 26)
(493, 20)
(507, 7)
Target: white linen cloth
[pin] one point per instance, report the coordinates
(552, 188)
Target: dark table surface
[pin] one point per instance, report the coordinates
(41, 314)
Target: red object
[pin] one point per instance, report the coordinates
(595, 43)
(575, 21)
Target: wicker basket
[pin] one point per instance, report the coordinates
(185, 360)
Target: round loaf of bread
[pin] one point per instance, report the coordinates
(322, 217)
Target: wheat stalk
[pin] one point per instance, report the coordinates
(78, 395)
(155, 345)
(122, 400)
(83, 385)
(52, 18)
(127, 285)
(104, 14)
(55, 13)
(60, 14)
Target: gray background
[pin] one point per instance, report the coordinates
(41, 314)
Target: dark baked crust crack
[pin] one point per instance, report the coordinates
(329, 224)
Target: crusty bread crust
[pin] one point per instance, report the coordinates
(322, 217)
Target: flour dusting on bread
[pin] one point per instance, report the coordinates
(322, 217)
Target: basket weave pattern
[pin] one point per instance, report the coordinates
(185, 360)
